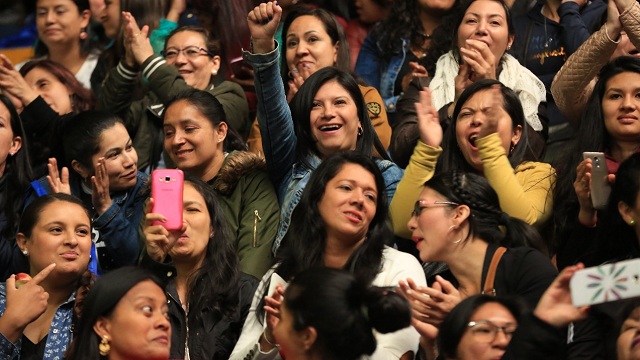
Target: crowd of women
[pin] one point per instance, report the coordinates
(409, 183)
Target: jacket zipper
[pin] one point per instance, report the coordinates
(186, 322)
(256, 218)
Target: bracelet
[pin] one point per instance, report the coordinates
(264, 335)
(608, 37)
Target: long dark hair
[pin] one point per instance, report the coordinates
(343, 311)
(304, 243)
(215, 283)
(592, 135)
(331, 26)
(486, 217)
(456, 322)
(403, 23)
(17, 171)
(302, 103)
(81, 136)
(213, 111)
(452, 157)
(102, 299)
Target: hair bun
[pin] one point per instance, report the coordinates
(385, 310)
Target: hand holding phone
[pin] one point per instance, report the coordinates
(600, 188)
(166, 189)
(606, 283)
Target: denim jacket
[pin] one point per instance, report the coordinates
(288, 173)
(115, 232)
(372, 69)
(59, 336)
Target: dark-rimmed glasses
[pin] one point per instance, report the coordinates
(190, 52)
(425, 204)
(485, 331)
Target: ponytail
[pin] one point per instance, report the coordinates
(344, 311)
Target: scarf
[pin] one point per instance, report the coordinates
(528, 87)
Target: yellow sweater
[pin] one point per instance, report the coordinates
(524, 193)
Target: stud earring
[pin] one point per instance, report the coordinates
(632, 222)
(214, 72)
(104, 346)
(25, 252)
(509, 47)
(83, 34)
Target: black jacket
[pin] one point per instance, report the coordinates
(211, 334)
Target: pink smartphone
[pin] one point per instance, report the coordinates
(166, 190)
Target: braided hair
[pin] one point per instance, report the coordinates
(486, 217)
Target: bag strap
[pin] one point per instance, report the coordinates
(491, 274)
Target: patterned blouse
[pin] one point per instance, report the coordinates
(60, 332)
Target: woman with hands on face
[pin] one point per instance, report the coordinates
(209, 297)
(98, 149)
(190, 59)
(483, 34)
(484, 327)
(43, 91)
(488, 136)
(457, 220)
(36, 318)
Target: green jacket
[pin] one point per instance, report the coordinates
(250, 204)
(143, 117)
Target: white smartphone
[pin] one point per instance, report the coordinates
(604, 283)
(600, 186)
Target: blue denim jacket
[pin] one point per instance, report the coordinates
(372, 69)
(59, 336)
(115, 232)
(289, 175)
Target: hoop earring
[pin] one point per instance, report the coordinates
(360, 131)
(452, 227)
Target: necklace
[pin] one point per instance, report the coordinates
(546, 37)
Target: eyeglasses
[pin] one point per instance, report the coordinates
(485, 331)
(426, 204)
(190, 52)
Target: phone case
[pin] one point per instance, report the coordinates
(600, 186)
(166, 190)
(606, 283)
